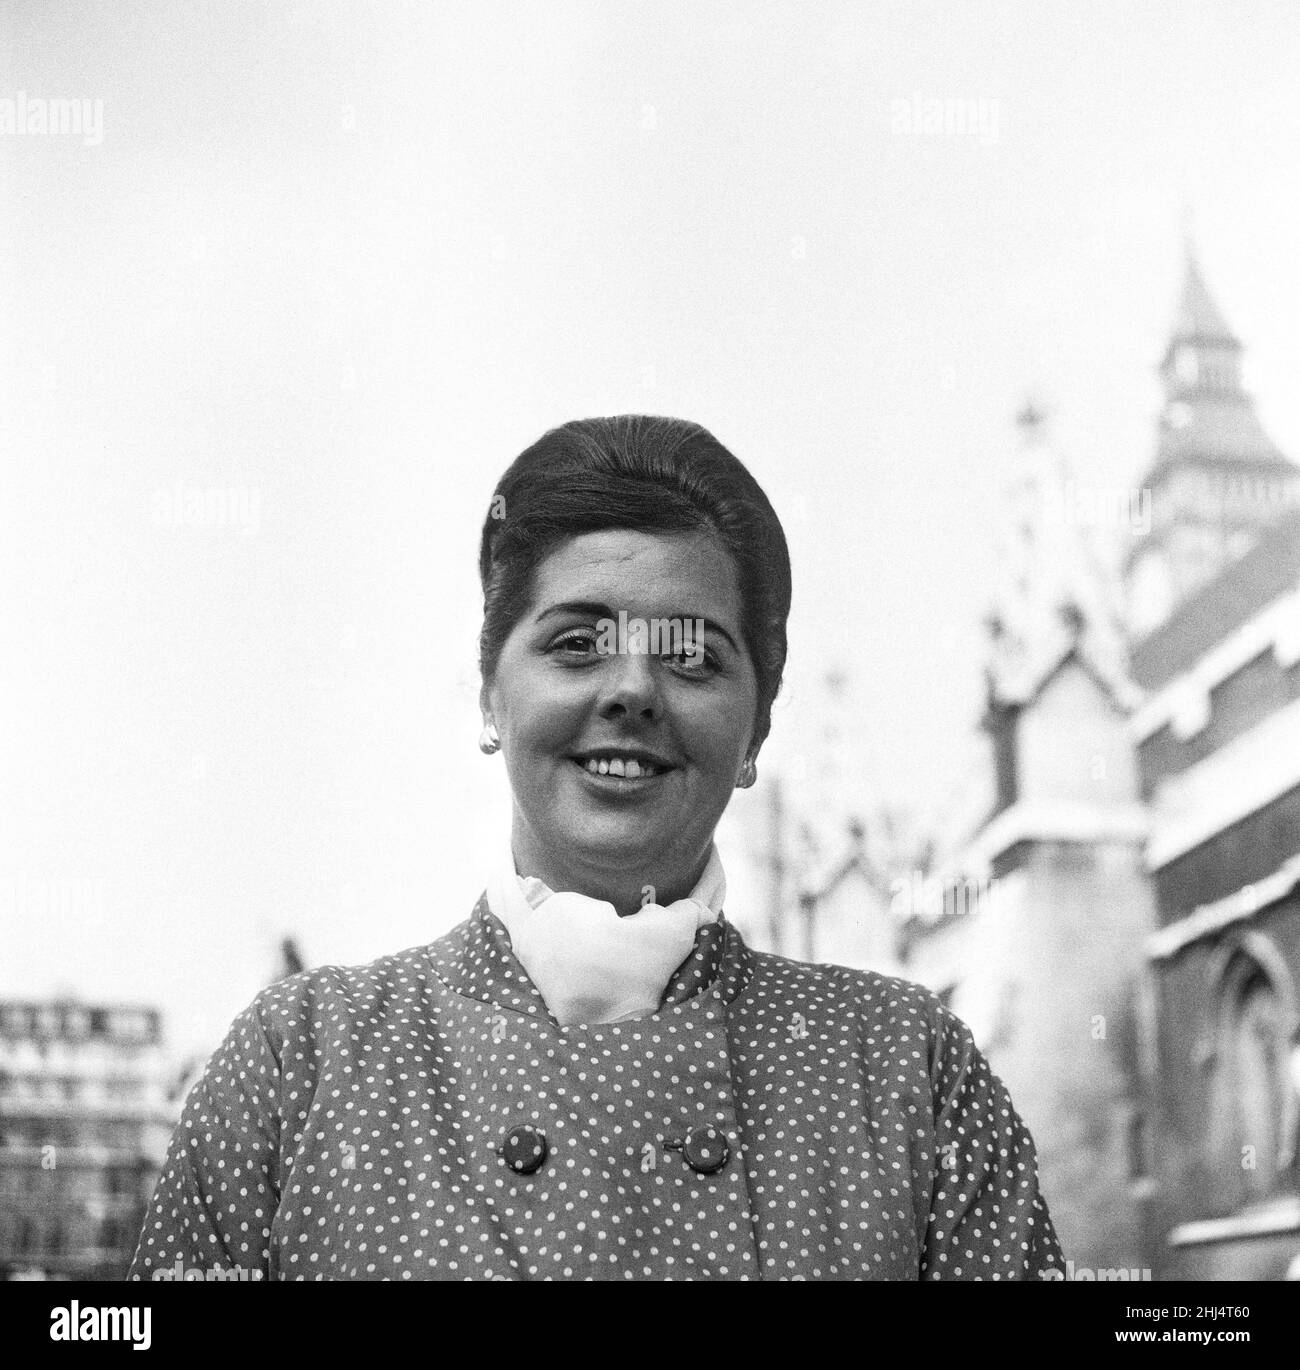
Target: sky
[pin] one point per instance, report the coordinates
(334, 265)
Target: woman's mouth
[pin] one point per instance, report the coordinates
(624, 768)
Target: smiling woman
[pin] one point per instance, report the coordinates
(559, 704)
(593, 1076)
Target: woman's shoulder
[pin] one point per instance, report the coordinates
(828, 978)
(885, 1018)
(306, 1005)
(891, 1001)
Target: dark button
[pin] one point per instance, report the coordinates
(706, 1149)
(524, 1149)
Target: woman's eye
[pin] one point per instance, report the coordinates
(585, 644)
(578, 642)
(691, 663)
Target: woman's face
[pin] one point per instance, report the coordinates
(565, 696)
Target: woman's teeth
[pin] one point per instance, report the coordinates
(629, 769)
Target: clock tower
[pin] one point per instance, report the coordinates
(1217, 479)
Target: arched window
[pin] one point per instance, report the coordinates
(1255, 1104)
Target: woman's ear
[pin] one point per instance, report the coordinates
(489, 740)
(753, 748)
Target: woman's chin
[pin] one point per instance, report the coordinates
(612, 844)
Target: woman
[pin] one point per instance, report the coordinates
(593, 1076)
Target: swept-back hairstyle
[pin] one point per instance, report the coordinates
(652, 475)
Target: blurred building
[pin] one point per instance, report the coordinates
(801, 877)
(1116, 909)
(844, 909)
(1041, 956)
(1217, 481)
(84, 1123)
(1219, 753)
(1216, 599)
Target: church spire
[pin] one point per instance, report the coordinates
(1203, 352)
(1056, 586)
(1217, 478)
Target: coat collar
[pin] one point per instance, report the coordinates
(476, 960)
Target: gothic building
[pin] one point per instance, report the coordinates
(1132, 972)
(1118, 909)
(1217, 480)
(1043, 966)
(1215, 596)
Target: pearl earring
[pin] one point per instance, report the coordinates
(748, 774)
(489, 740)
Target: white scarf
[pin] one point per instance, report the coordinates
(590, 964)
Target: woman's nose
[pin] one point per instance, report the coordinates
(630, 685)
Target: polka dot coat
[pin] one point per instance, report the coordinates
(424, 1117)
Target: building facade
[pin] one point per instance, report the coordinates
(84, 1124)
(1216, 602)
(1118, 920)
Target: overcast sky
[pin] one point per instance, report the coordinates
(346, 260)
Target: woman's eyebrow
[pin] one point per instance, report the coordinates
(576, 606)
(711, 627)
(591, 609)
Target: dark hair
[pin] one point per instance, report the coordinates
(653, 475)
